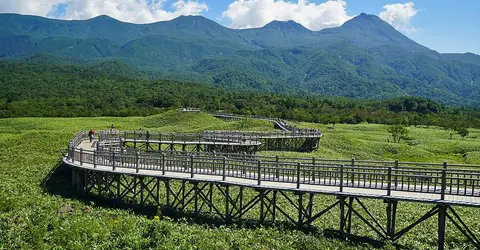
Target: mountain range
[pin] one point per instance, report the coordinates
(363, 58)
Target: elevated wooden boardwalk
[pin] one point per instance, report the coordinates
(219, 141)
(120, 173)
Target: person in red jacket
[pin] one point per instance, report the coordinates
(91, 135)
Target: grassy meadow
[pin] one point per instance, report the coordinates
(32, 217)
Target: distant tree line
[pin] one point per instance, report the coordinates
(72, 91)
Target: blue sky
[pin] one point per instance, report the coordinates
(445, 26)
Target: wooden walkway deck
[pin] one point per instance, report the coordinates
(140, 175)
(372, 181)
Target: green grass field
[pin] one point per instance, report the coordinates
(32, 218)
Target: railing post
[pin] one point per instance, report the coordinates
(191, 166)
(137, 161)
(224, 168)
(94, 159)
(81, 156)
(313, 169)
(259, 172)
(298, 174)
(341, 177)
(277, 171)
(444, 180)
(72, 156)
(396, 172)
(163, 163)
(389, 184)
(353, 171)
(113, 160)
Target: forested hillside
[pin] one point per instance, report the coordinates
(111, 89)
(364, 58)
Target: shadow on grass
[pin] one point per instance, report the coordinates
(58, 182)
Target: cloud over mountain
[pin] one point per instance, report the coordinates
(400, 16)
(135, 11)
(257, 13)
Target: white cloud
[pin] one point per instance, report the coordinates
(257, 13)
(135, 11)
(400, 16)
(36, 7)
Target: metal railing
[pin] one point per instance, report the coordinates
(390, 176)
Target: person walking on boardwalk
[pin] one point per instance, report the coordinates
(147, 135)
(91, 135)
(112, 128)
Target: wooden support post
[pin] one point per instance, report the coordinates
(195, 193)
(259, 172)
(342, 216)
(210, 194)
(274, 205)
(300, 209)
(74, 179)
(167, 189)
(391, 217)
(260, 195)
(349, 215)
(227, 203)
(119, 179)
(442, 212)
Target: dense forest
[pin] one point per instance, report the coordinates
(364, 58)
(111, 89)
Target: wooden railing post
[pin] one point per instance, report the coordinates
(444, 180)
(298, 174)
(137, 161)
(94, 159)
(163, 163)
(341, 177)
(224, 174)
(313, 169)
(396, 173)
(259, 172)
(353, 171)
(113, 160)
(72, 155)
(81, 156)
(191, 166)
(277, 171)
(389, 179)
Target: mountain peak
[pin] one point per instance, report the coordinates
(364, 19)
(285, 25)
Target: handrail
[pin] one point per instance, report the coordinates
(442, 181)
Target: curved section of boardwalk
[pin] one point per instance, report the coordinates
(119, 173)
